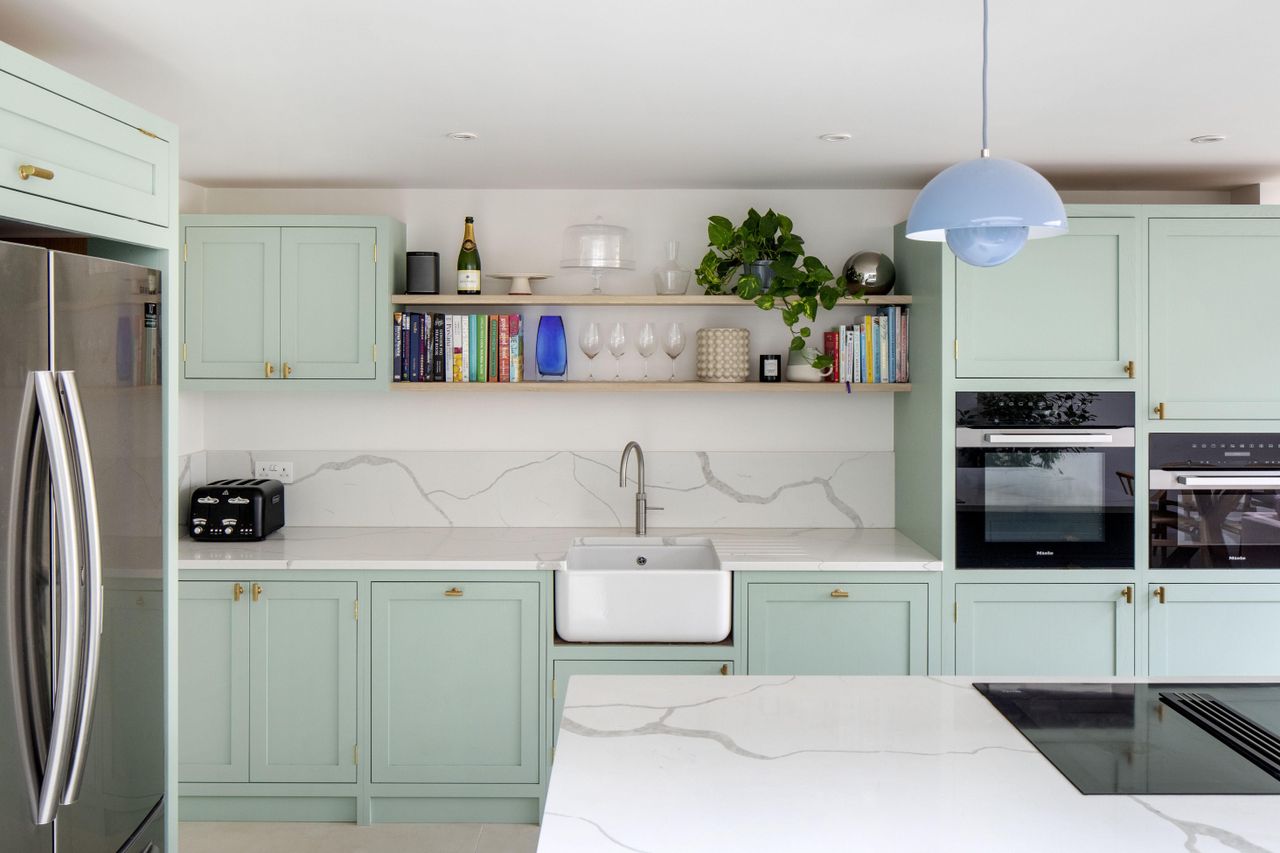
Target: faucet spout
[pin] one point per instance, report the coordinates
(642, 501)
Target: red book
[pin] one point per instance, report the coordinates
(831, 347)
(504, 348)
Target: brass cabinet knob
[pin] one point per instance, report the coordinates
(257, 591)
(1128, 594)
(268, 369)
(237, 591)
(1159, 410)
(26, 170)
(724, 669)
(1129, 369)
(1159, 594)
(288, 371)
(839, 593)
(453, 592)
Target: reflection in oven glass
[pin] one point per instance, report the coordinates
(1053, 496)
(1213, 529)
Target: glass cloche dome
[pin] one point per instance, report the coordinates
(598, 247)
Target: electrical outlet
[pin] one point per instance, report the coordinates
(282, 471)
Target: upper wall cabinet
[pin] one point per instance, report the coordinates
(1214, 286)
(78, 159)
(1065, 307)
(297, 299)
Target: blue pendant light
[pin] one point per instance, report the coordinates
(986, 209)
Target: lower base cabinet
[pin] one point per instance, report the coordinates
(834, 629)
(1196, 629)
(268, 690)
(455, 682)
(563, 670)
(1074, 629)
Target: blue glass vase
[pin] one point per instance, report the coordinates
(553, 356)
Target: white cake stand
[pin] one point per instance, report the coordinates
(520, 281)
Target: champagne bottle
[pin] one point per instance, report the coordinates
(469, 261)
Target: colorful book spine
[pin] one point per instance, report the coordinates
(491, 346)
(481, 360)
(883, 338)
(905, 361)
(397, 348)
(517, 347)
(832, 348)
(504, 348)
(424, 347)
(415, 342)
(853, 361)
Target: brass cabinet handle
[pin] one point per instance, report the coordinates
(839, 593)
(237, 591)
(1128, 368)
(268, 369)
(26, 170)
(1159, 410)
(724, 669)
(453, 592)
(257, 591)
(288, 371)
(1159, 594)
(1128, 594)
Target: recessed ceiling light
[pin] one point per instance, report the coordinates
(463, 135)
(836, 137)
(1207, 138)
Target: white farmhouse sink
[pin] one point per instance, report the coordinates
(638, 589)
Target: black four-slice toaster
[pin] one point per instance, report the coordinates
(236, 510)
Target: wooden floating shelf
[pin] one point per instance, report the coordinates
(610, 300)
(697, 387)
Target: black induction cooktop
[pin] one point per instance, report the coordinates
(1151, 738)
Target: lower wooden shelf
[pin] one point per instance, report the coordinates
(703, 387)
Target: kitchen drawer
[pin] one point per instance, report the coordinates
(97, 162)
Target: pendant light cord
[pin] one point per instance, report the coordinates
(985, 15)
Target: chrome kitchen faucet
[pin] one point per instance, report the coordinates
(642, 502)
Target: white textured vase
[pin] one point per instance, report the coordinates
(724, 355)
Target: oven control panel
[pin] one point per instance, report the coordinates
(1215, 450)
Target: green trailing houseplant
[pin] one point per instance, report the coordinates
(799, 287)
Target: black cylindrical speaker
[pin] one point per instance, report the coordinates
(423, 274)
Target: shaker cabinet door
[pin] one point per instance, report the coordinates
(837, 629)
(1064, 307)
(213, 690)
(1214, 291)
(327, 303)
(1204, 629)
(232, 309)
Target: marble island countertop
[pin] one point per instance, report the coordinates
(663, 764)
(534, 548)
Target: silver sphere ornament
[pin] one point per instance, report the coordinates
(871, 271)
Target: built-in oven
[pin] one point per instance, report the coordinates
(1044, 480)
(1214, 500)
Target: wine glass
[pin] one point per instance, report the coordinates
(647, 344)
(618, 346)
(673, 345)
(589, 343)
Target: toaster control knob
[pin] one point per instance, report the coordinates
(228, 530)
(197, 530)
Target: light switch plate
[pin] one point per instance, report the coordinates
(282, 471)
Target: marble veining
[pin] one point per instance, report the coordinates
(569, 488)
(746, 763)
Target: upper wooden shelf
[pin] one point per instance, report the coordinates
(699, 387)
(608, 300)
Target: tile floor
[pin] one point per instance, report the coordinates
(348, 838)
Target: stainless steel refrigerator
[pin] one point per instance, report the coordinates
(81, 586)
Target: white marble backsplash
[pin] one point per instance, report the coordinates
(569, 488)
(191, 473)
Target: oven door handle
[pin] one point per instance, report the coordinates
(1040, 439)
(1229, 480)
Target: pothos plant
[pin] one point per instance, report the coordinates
(801, 284)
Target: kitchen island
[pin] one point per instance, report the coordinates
(825, 763)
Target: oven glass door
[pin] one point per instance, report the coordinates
(1045, 507)
(1211, 520)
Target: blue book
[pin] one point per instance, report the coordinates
(415, 345)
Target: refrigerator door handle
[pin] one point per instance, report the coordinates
(91, 627)
(66, 680)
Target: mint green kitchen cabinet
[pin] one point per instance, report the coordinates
(1214, 290)
(1065, 307)
(232, 303)
(327, 303)
(289, 301)
(213, 691)
(59, 149)
(268, 688)
(456, 682)
(1076, 629)
(837, 628)
(566, 669)
(1207, 629)
(302, 682)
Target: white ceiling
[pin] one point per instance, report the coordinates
(1098, 94)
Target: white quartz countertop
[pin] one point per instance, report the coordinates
(754, 763)
(526, 548)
